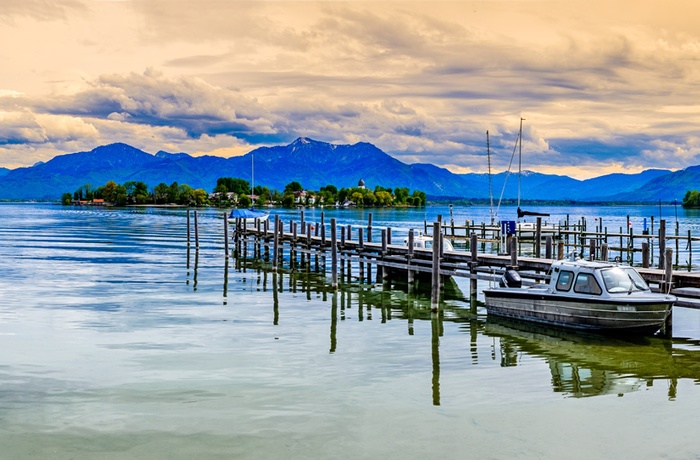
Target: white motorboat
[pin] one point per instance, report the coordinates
(599, 296)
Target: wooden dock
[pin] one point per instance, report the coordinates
(352, 249)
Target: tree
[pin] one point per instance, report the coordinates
(419, 198)
(173, 195)
(288, 200)
(201, 197)
(691, 199)
(235, 185)
(160, 193)
(186, 195)
(244, 201)
(293, 187)
(111, 192)
(66, 198)
(384, 198)
(401, 193)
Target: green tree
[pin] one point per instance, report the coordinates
(288, 200)
(419, 198)
(235, 185)
(293, 187)
(400, 194)
(244, 201)
(160, 193)
(111, 192)
(66, 198)
(173, 195)
(384, 198)
(186, 195)
(691, 199)
(201, 197)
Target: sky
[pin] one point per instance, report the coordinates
(603, 86)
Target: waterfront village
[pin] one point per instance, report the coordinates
(235, 192)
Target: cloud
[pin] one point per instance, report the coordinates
(600, 85)
(40, 9)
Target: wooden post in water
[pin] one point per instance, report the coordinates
(369, 228)
(473, 242)
(645, 254)
(303, 222)
(435, 281)
(514, 251)
(548, 247)
(196, 231)
(334, 255)
(662, 243)
(188, 227)
(668, 270)
(538, 238)
(591, 249)
(604, 252)
(410, 273)
(388, 235)
(226, 235)
(275, 246)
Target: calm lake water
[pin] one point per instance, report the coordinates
(119, 342)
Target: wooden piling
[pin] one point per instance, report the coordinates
(334, 255)
(435, 291)
(604, 248)
(226, 236)
(275, 247)
(662, 243)
(188, 227)
(560, 248)
(548, 247)
(514, 251)
(645, 254)
(196, 231)
(668, 270)
(473, 242)
(538, 238)
(369, 228)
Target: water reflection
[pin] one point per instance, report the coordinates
(580, 364)
(588, 365)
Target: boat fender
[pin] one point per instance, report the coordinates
(511, 278)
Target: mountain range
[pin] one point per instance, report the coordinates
(315, 164)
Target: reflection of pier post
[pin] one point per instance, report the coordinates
(276, 244)
(435, 292)
(435, 342)
(334, 256)
(411, 273)
(275, 299)
(334, 316)
(225, 280)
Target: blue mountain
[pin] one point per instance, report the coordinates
(315, 164)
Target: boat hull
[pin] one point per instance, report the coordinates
(622, 315)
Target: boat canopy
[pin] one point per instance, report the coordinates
(246, 214)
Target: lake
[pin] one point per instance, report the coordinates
(120, 342)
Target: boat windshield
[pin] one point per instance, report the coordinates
(623, 279)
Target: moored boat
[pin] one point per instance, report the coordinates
(596, 296)
(249, 216)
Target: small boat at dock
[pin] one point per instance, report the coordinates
(250, 216)
(584, 295)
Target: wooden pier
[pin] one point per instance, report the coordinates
(352, 248)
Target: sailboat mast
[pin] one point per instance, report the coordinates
(520, 157)
(488, 153)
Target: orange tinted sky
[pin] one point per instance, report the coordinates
(603, 86)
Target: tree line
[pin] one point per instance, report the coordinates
(231, 191)
(136, 192)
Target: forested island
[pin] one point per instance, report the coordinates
(236, 192)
